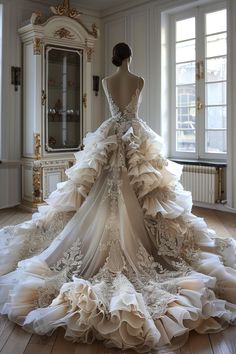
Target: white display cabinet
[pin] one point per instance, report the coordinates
(57, 92)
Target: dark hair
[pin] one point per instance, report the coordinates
(121, 51)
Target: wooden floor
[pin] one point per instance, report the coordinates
(13, 340)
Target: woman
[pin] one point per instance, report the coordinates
(116, 255)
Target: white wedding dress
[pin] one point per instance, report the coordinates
(116, 254)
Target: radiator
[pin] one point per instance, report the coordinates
(205, 183)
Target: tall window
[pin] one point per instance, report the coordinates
(199, 82)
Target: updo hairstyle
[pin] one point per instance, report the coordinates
(121, 51)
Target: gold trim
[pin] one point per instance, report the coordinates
(65, 10)
(199, 104)
(89, 51)
(43, 97)
(200, 70)
(47, 171)
(30, 206)
(37, 146)
(85, 100)
(95, 31)
(36, 18)
(37, 194)
(63, 33)
(38, 46)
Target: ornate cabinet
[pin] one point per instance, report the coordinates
(57, 54)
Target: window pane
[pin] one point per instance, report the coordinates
(216, 69)
(185, 140)
(185, 118)
(185, 73)
(185, 29)
(216, 141)
(185, 95)
(216, 45)
(216, 93)
(216, 117)
(185, 51)
(216, 22)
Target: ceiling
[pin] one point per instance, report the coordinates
(99, 5)
(102, 7)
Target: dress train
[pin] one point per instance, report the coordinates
(116, 254)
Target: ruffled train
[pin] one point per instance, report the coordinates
(116, 254)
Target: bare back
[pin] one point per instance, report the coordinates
(122, 87)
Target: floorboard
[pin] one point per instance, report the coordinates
(41, 344)
(224, 342)
(197, 343)
(6, 328)
(16, 342)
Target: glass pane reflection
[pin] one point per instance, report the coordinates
(64, 102)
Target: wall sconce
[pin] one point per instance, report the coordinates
(15, 77)
(96, 84)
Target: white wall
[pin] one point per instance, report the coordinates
(16, 12)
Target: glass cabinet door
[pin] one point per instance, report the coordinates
(64, 107)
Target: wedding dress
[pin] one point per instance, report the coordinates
(116, 254)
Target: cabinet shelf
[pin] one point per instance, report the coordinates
(67, 122)
(60, 88)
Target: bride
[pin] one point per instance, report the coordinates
(116, 254)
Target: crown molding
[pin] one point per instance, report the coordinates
(123, 7)
(87, 12)
(97, 13)
(45, 2)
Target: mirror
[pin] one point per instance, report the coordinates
(63, 98)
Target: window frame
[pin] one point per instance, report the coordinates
(199, 13)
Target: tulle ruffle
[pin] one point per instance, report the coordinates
(154, 179)
(40, 304)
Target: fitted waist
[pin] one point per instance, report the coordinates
(125, 116)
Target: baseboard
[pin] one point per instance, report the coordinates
(9, 206)
(216, 206)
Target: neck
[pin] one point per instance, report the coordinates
(124, 66)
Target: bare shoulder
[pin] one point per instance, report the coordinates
(104, 81)
(107, 78)
(141, 82)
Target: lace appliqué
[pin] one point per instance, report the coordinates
(45, 296)
(34, 237)
(70, 263)
(174, 239)
(156, 295)
(128, 111)
(112, 232)
(226, 248)
(115, 261)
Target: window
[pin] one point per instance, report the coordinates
(199, 83)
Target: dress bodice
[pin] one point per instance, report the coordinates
(130, 111)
